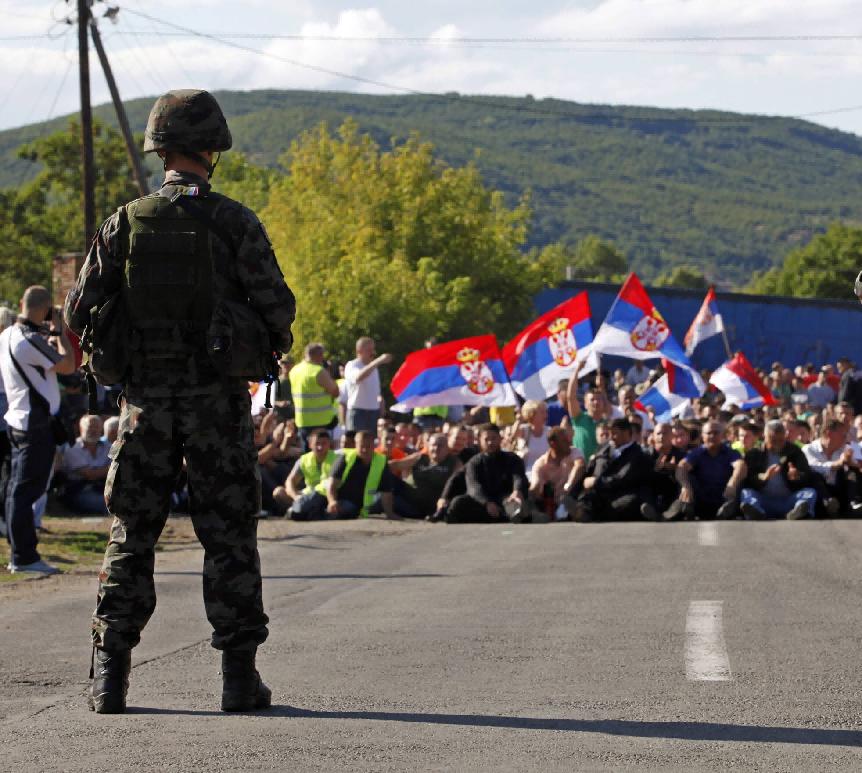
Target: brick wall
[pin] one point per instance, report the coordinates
(65, 272)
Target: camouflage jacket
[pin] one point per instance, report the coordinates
(254, 270)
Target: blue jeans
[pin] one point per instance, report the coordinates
(308, 507)
(778, 507)
(359, 419)
(88, 499)
(32, 457)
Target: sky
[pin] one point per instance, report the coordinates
(593, 51)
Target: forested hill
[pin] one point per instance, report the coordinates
(724, 192)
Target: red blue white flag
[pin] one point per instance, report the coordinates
(549, 349)
(741, 384)
(635, 329)
(707, 323)
(469, 371)
(670, 395)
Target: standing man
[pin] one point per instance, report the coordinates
(172, 258)
(584, 420)
(313, 390)
(32, 353)
(363, 386)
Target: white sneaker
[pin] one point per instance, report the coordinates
(37, 567)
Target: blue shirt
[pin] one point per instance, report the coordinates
(711, 473)
(556, 414)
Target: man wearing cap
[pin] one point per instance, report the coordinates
(184, 262)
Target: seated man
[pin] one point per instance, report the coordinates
(779, 483)
(617, 481)
(556, 472)
(360, 482)
(832, 458)
(426, 475)
(496, 483)
(304, 491)
(709, 478)
(665, 457)
(85, 465)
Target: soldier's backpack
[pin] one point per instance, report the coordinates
(165, 319)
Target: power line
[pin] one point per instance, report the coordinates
(495, 105)
(449, 41)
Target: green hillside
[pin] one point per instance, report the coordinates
(728, 193)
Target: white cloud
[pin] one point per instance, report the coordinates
(778, 77)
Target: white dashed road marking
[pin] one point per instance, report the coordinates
(705, 651)
(707, 534)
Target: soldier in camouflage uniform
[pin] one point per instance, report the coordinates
(171, 266)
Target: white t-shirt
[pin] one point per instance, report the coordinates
(36, 358)
(363, 394)
(534, 448)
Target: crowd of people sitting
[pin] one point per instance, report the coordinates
(588, 454)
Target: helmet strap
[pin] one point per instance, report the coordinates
(214, 164)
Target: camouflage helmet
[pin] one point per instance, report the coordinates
(187, 120)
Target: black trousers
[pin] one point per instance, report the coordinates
(611, 506)
(32, 454)
(465, 509)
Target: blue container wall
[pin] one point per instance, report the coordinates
(790, 330)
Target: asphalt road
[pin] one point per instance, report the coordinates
(602, 647)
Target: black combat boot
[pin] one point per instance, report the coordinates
(110, 681)
(242, 687)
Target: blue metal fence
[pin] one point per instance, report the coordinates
(766, 328)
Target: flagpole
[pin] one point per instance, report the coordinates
(726, 342)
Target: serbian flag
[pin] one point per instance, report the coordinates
(741, 385)
(706, 324)
(469, 371)
(635, 329)
(670, 395)
(550, 349)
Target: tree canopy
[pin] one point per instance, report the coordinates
(399, 245)
(43, 217)
(684, 277)
(825, 268)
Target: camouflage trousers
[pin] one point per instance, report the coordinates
(215, 436)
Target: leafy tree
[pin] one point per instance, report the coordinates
(44, 217)
(684, 277)
(825, 268)
(598, 261)
(398, 245)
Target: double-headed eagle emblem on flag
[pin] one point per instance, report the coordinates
(479, 378)
(561, 342)
(650, 333)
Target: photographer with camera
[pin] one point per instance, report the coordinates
(32, 353)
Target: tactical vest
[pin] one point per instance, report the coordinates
(372, 482)
(168, 293)
(316, 476)
(312, 403)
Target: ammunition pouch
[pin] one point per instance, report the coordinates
(105, 341)
(238, 342)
